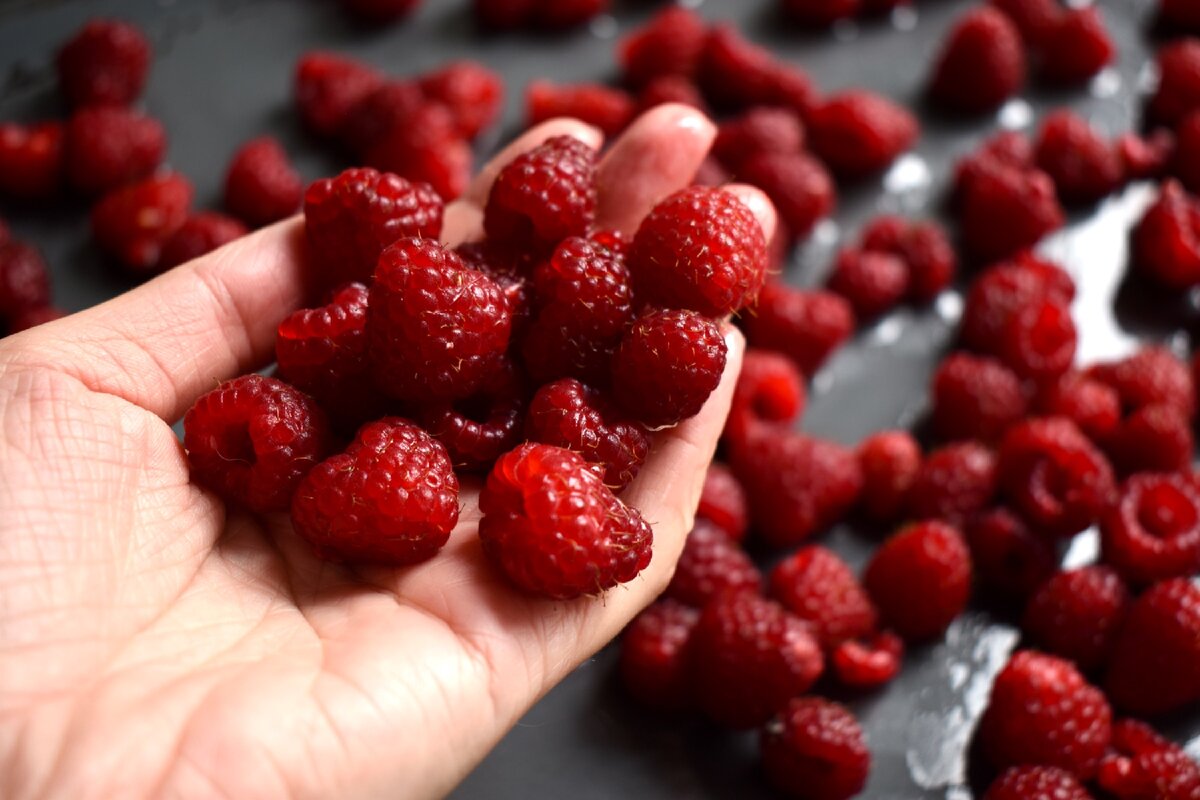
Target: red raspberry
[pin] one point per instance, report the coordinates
(427, 149)
(553, 527)
(1147, 157)
(807, 326)
(1166, 242)
(386, 108)
(108, 146)
(761, 129)
(510, 271)
(478, 430)
(668, 364)
(1007, 148)
(1095, 407)
(253, 439)
(1077, 47)
(1008, 558)
(1152, 533)
(954, 482)
(817, 586)
(607, 108)
(822, 13)
(981, 64)
(975, 397)
(1076, 615)
(352, 218)
(700, 249)
(1179, 15)
(654, 649)
(868, 664)
(472, 93)
(543, 196)
(924, 248)
(1147, 766)
(1001, 291)
(568, 414)
(723, 502)
(390, 499)
(1156, 660)
(1042, 711)
(1036, 783)
(790, 87)
(1033, 18)
(890, 462)
(132, 223)
(669, 44)
(32, 317)
(327, 87)
(199, 235)
(105, 63)
(670, 89)
(380, 10)
(814, 748)
(1039, 341)
(1083, 166)
(920, 579)
(31, 160)
(711, 564)
(799, 186)
(749, 656)
(1154, 438)
(857, 132)
(261, 185)
(24, 280)
(1151, 376)
(1005, 210)
(872, 282)
(1178, 84)
(734, 72)
(769, 389)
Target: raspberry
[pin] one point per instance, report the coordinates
(760, 130)
(1083, 166)
(132, 223)
(108, 146)
(607, 108)
(807, 326)
(667, 365)
(1179, 15)
(1152, 533)
(817, 586)
(253, 439)
(543, 196)
(1007, 149)
(390, 499)
(1076, 615)
(1166, 241)
(478, 430)
(1053, 476)
(1008, 558)
(1042, 711)
(653, 662)
(749, 656)
(890, 462)
(32, 317)
(872, 282)
(31, 160)
(1095, 407)
(981, 63)
(670, 89)
(1038, 342)
(327, 87)
(857, 132)
(1178, 84)
(1033, 18)
(510, 271)
(1148, 157)
(352, 218)
(790, 87)
(1005, 210)
(923, 247)
(821, 13)
(769, 389)
(426, 149)
(1001, 291)
(1156, 659)
(1165, 773)
(1151, 376)
(814, 748)
(199, 235)
(553, 527)
(105, 63)
(472, 93)
(975, 397)
(868, 664)
(799, 186)
(261, 186)
(734, 72)
(954, 482)
(1036, 783)
(920, 579)
(669, 44)
(723, 502)
(570, 415)
(380, 10)
(387, 107)
(1154, 438)
(700, 249)
(1077, 47)
(711, 564)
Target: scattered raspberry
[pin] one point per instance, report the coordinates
(734, 72)
(380, 10)
(1039, 341)
(749, 657)
(653, 662)
(1152, 533)
(807, 326)
(1008, 558)
(478, 430)
(32, 317)
(31, 160)
(975, 397)
(1033, 18)
(1095, 407)
(1076, 615)
(1004, 210)
(105, 63)
(920, 579)
(1178, 84)
(1036, 783)
(261, 185)
(1151, 376)
(821, 13)
(553, 527)
(924, 248)
(799, 186)
(711, 564)
(1077, 47)
(132, 223)
(890, 462)
(1148, 157)
(870, 663)
(1146, 766)
(981, 64)
(723, 502)
(761, 129)
(1154, 438)
(1083, 165)
(1166, 241)
(607, 108)
(769, 389)
(954, 482)
(817, 586)
(1006, 148)
(426, 148)
(872, 282)
(390, 106)
(199, 235)
(472, 93)
(327, 86)
(790, 87)
(814, 748)
(24, 280)
(108, 146)
(1000, 292)
(669, 44)
(857, 132)
(670, 89)
(253, 439)
(1156, 659)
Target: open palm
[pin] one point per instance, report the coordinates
(153, 642)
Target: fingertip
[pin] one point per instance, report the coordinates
(590, 135)
(759, 204)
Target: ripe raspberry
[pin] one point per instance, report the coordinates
(261, 186)
(553, 527)
(857, 132)
(1151, 376)
(669, 44)
(478, 430)
(1154, 438)
(1152, 533)
(790, 87)
(761, 129)
(1004, 210)
(199, 235)
(426, 149)
(352, 218)
(473, 94)
(870, 663)
(1038, 342)
(1095, 407)
(510, 272)
(1036, 783)
(1008, 558)
(132, 223)
(924, 248)
(670, 89)
(890, 462)
(920, 579)
(543, 196)
(817, 586)
(711, 564)
(799, 186)
(1083, 166)
(387, 107)
(1077, 47)
(1166, 241)
(807, 326)
(1156, 660)
(748, 657)
(380, 10)
(105, 63)
(700, 249)
(253, 439)
(1076, 615)
(607, 108)
(390, 499)
(981, 64)
(31, 160)
(654, 648)
(723, 502)
(568, 414)
(1042, 711)
(975, 397)
(814, 748)
(32, 317)
(1033, 18)
(872, 282)
(1146, 766)
(24, 280)
(769, 389)
(1178, 84)
(1001, 291)
(327, 87)
(822, 13)
(106, 147)
(1007, 149)
(1148, 157)
(954, 482)
(734, 72)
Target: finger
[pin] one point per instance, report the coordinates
(658, 154)
(477, 192)
(759, 204)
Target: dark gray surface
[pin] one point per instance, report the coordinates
(222, 75)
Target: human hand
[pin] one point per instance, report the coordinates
(153, 642)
